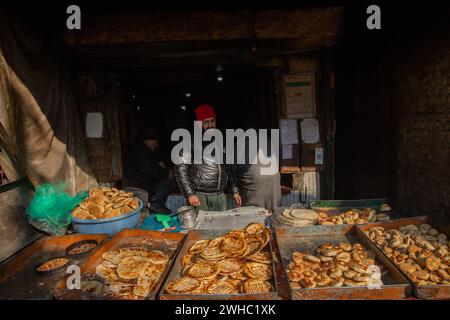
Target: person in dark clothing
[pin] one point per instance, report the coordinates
(204, 184)
(146, 175)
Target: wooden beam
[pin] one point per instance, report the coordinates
(169, 49)
(199, 25)
(120, 63)
(228, 52)
(302, 23)
(161, 26)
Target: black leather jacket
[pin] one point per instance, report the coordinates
(207, 177)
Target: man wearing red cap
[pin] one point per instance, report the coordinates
(204, 184)
(207, 115)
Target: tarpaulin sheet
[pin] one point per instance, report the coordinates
(38, 110)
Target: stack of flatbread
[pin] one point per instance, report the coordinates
(127, 273)
(235, 263)
(295, 218)
(106, 203)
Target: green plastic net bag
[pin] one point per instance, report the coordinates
(51, 207)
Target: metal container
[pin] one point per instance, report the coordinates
(187, 217)
(18, 278)
(80, 243)
(342, 205)
(51, 271)
(110, 226)
(193, 236)
(336, 207)
(428, 292)
(308, 239)
(169, 243)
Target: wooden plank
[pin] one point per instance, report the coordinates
(289, 170)
(201, 25)
(162, 26)
(299, 23)
(120, 63)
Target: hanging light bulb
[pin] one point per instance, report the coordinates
(219, 70)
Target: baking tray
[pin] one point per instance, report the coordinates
(195, 235)
(168, 243)
(18, 278)
(342, 205)
(335, 207)
(308, 239)
(428, 292)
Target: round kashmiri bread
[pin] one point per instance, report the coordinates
(130, 267)
(257, 286)
(155, 256)
(293, 222)
(222, 287)
(258, 270)
(230, 265)
(203, 270)
(183, 285)
(303, 214)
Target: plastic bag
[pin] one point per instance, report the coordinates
(51, 206)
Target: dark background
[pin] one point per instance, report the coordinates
(365, 105)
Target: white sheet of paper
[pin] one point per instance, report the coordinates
(300, 96)
(230, 219)
(310, 130)
(318, 156)
(289, 131)
(286, 151)
(94, 125)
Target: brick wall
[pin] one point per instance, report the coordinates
(422, 100)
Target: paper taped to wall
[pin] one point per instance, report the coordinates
(94, 125)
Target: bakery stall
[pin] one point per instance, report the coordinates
(295, 254)
(364, 213)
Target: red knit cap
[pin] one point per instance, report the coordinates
(204, 111)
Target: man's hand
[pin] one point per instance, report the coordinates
(237, 199)
(194, 201)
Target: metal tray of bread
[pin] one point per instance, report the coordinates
(193, 237)
(308, 239)
(130, 266)
(18, 276)
(427, 290)
(333, 208)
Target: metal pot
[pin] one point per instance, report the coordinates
(187, 217)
